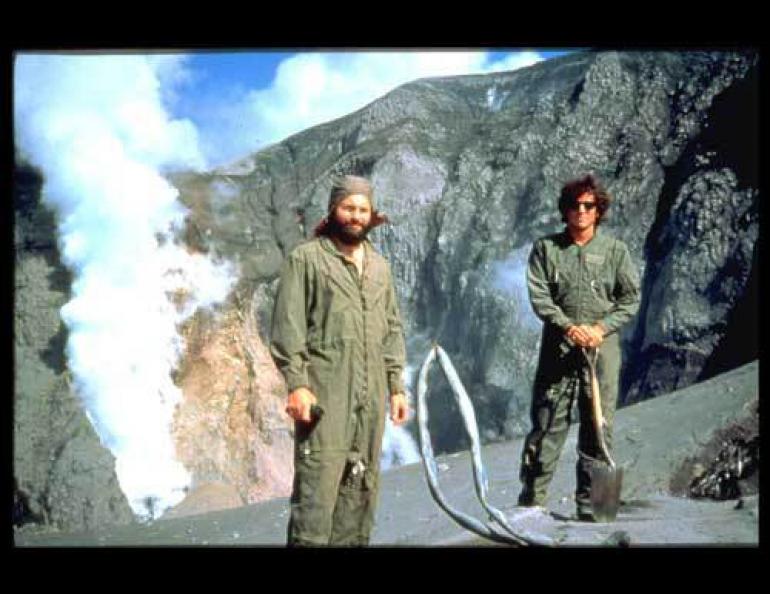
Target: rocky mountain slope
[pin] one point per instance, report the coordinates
(468, 169)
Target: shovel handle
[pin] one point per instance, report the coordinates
(596, 402)
(596, 405)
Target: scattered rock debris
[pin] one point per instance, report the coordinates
(727, 466)
(737, 460)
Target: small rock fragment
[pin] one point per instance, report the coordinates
(619, 538)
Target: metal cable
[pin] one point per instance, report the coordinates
(479, 474)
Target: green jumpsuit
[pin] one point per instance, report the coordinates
(339, 334)
(571, 284)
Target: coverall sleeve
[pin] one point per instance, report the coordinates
(540, 293)
(625, 293)
(394, 350)
(288, 340)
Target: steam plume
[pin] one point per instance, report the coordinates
(95, 125)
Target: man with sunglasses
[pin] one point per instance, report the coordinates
(584, 286)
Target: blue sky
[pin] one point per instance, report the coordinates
(229, 104)
(245, 100)
(248, 69)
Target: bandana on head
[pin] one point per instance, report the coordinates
(343, 187)
(347, 186)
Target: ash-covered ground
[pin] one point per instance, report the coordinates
(671, 447)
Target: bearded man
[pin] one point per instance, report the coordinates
(337, 338)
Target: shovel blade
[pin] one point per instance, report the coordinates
(606, 483)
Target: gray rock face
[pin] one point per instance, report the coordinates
(64, 477)
(469, 170)
(699, 309)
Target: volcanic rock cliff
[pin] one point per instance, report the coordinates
(468, 169)
(63, 476)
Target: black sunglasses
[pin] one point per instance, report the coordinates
(586, 205)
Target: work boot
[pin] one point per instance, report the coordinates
(585, 515)
(527, 497)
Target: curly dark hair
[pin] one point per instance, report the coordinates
(577, 187)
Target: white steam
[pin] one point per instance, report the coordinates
(398, 445)
(96, 127)
(510, 277)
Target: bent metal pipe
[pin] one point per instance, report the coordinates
(486, 529)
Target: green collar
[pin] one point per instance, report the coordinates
(598, 235)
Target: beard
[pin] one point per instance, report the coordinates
(348, 234)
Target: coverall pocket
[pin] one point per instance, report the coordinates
(307, 465)
(377, 292)
(561, 282)
(343, 324)
(353, 476)
(601, 279)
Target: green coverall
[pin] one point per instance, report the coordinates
(339, 334)
(571, 284)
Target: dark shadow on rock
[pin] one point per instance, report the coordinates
(661, 369)
(740, 343)
(732, 132)
(574, 98)
(38, 225)
(733, 139)
(21, 513)
(27, 183)
(729, 136)
(60, 277)
(54, 354)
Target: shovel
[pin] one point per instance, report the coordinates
(606, 477)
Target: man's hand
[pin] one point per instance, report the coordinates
(579, 335)
(597, 334)
(586, 335)
(399, 409)
(299, 403)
